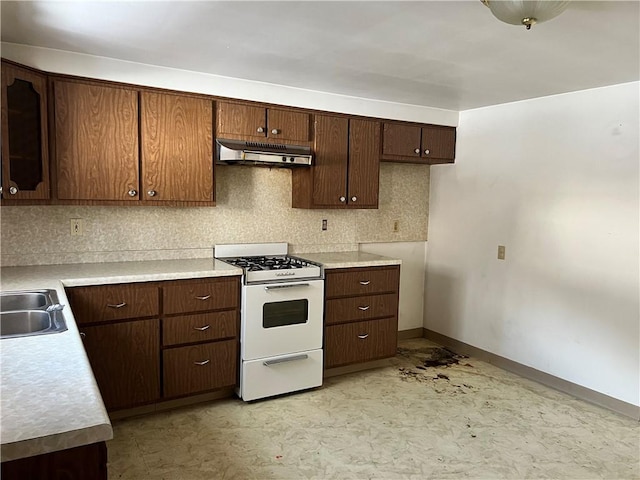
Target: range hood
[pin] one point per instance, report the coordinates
(238, 152)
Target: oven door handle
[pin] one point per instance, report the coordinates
(275, 287)
(292, 358)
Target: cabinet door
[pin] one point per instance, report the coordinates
(25, 159)
(439, 144)
(243, 120)
(177, 147)
(96, 134)
(125, 359)
(364, 163)
(330, 161)
(288, 125)
(401, 140)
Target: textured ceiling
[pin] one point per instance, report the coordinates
(447, 54)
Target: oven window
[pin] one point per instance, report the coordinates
(280, 314)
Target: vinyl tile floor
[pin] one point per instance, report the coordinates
(402, 421)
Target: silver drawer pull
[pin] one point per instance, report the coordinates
(364, 309)
(201, 363)
(293, 358)
(365, 282)
(363, 336)
(202, 329)
(119, 305)
(204, 297)
(275, 287)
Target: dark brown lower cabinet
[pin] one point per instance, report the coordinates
(88, 462)
(125, 359)
(360, 341)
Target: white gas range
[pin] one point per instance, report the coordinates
(281, 319)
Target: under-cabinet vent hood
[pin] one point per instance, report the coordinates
(238, 152)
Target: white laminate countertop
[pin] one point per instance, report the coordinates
(349, 259)
(49, 397)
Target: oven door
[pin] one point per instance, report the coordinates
(281, 318)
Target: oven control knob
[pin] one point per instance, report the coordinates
(291, 159)
(284, 159)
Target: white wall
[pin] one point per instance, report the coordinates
(412, 273)
(555, 180)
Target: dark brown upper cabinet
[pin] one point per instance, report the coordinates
(248, 122)
(177, 148)
(25, 159)
(345, 170)
(428, 144)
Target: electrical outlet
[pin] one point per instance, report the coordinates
(501, 252)
(324, 224)
(396, 226)
(77, 228)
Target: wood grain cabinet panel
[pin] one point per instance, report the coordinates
(426, 144)
(214, 294)
(346, 166)
(201, 327)
(242, 121)
(350, 309)
(361, 281)
(96, 141)
(125, 359)
(360, 342)
(113, 302)
(199, 368)
(177, 147)
(25, 151)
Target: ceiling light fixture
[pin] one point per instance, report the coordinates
(523, 12)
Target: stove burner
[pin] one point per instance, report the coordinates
(254, 264)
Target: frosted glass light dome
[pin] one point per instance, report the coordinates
(526, 12)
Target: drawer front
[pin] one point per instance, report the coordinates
(199, 368)
(340, 310)
(282, 374)
(362, 281)
(113, 302)
(360, 342)
(200, 296)
(199, 328)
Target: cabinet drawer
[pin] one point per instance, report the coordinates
(113, 302)
(199, 368)
(340, 310)
(360, 342)
(213, 294)
(362, 281)
(199, 328)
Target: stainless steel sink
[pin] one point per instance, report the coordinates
(26, 313)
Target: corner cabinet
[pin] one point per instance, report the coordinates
(100, 130)
(25, 159)
(346, 166)
(361, 314)
(427, 144)
(242, 122)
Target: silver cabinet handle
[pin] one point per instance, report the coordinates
(260, 130)
(277, 287)
(1, 190)
(275, 131)
(13, 190)
(133, 192)
(118, 305)
(202, 329)
(342, 199)
(204, 297)
(204, 362)
(365, 282)
(353, 199)
(292, 358)
(363, 336)
(364, 309)
(152, 193)
(417, 150)
(83, 335)
(426, 152)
